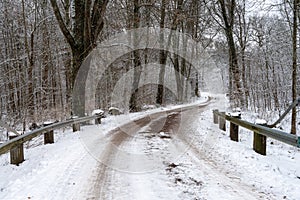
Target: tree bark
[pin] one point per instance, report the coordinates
(294, 73)
(136, 61)
(162, 57)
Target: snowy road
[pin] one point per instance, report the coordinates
(159, 154)
(150, 158)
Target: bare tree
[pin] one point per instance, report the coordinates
(87, 25)
(82, 36)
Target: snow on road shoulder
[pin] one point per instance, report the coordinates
(277, 174)
(48, 171)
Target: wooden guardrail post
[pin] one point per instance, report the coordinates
(222, 123)
(17, 153)
(216, 118)
(48, 136)
(75, 126)
(234, 129)
(99, 113)
(98, 120)
(260, 141)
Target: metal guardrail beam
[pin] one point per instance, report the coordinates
(268, 132)
(5, 147)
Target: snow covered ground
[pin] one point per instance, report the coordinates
(277, 175)
(207, 165)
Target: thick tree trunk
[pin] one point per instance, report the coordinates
(177, 67)
(235, 89)
(135, 85)
(242, 38)
(178, 79)
(183, 71)
(294, 74)
(136, 61)
(161, 78)
(197, 85)
(162, 57)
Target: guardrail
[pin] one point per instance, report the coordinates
(261, 131)
(15, 144)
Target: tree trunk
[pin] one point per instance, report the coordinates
(294, 74)
(178, 79)
(227, 12)
(162, 57)
(29, 51)
(197, 85)
(242, 38)
(136, 61)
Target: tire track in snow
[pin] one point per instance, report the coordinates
(208, 173)
(118, 135)
(157, 122)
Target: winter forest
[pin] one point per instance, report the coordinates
(44, 42)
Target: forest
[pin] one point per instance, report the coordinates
(254, 44)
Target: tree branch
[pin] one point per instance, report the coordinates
(99, 9)
(62, 25)
(87, 24)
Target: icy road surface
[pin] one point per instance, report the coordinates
(167, 154)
